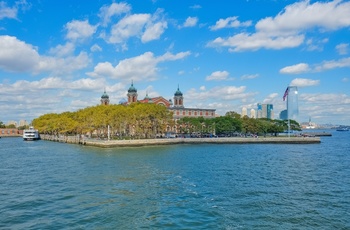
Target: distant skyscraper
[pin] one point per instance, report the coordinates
(244, 112)
(252, 113)
(284, 115)
(23, 123)
(265, 111)
(292, 102)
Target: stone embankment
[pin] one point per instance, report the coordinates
(172, 141)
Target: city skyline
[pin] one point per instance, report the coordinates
(58, 57)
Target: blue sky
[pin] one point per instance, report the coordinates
(59, 56)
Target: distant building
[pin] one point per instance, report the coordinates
(291, 94)
(265, 111)
(252, 113)
(4, 132)
(23, 123)
(12, 123)
(284, 115)
(104, 98)
(244, 112)
(177, 107)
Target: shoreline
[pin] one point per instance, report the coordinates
(176, 141)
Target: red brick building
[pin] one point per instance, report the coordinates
(11, 132)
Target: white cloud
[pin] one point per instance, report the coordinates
(64, 65)
(218, 76)
(230, 22)
(142, 67)
(288, 28)
(190, 22)
(79, 30)
(244, 41)
(345, 79)
(226, 93)
(17, 56)
(327, 65)
(196, 7)
(295, 69)
(251, 76)
(129, 26)
(302, 15)
(95, 48)
(154, 31)
(63, 50)
(343, 48)
(7, 12)
(302, 82)
(115, 9)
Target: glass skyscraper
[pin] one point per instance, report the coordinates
(265, 111)
(292, 103)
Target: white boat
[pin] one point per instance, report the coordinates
(31, 134)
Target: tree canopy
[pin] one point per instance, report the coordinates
(139, 120)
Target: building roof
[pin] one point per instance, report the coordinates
(132, 89)
(178, 92)
(105, 95)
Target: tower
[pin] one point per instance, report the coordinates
(292, 103)
(104, 98)
(132, 94)
(178, 98)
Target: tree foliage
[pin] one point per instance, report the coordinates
(140, 120)
(137, 120)
(233, 123)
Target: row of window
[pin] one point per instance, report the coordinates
(194, 113)
(8, 131)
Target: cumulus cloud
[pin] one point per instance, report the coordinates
(302, 82)
(146, 26)
(142, 67)
(288, 28)
(190, 22)
(7, 12)
(115, 9)
(302, 15)
(327, 65)
(218, 76)
(95, 48)
(226, 93)
(295, 69)
(154, 31)
(245, 41)
(342, 49)
(12, 12)
(230, 22)
(63, 50)
(17, 56)
(79, 30)
(196, 7)
(249, 76)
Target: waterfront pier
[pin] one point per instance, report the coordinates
(172, 141)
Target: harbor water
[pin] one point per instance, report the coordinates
(51, 185)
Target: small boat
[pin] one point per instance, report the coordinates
(342, 129)
(31, 134)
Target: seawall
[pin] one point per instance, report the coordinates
(172, 141)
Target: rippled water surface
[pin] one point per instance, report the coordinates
(50, 185)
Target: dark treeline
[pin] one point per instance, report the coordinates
(233, 124)
(149, 121)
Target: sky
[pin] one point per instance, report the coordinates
(58, 56)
